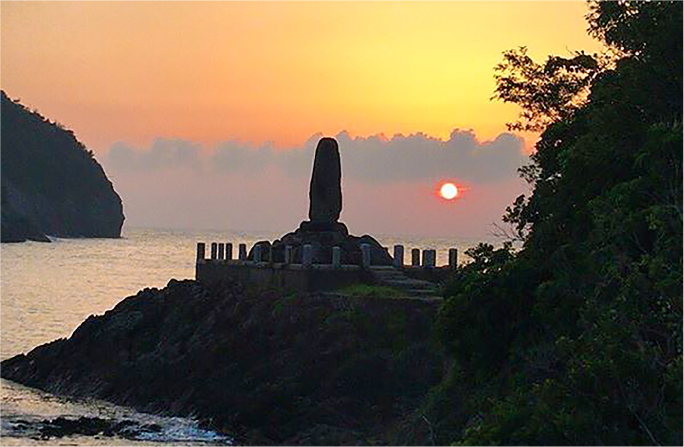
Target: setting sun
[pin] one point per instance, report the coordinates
(448, 191)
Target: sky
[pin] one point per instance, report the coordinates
(205, 114)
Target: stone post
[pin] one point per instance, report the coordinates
(221, 248)
(399, 256)
(257, 253)
(336, 253)
(307, 255)
(201, 247)
(415, 257)
(453, 258)
(428, 258)
(270, 254)
(214, 250)
(242, 252)
(288, 254)
(229, 251)
(365, 256)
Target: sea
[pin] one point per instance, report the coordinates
(47, 290)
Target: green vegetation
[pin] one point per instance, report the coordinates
(370, 291)
(577, 337)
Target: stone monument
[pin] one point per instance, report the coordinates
(325, 189)
(323, 231)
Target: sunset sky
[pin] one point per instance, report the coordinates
(205, 114)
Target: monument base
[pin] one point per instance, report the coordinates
(337, 227)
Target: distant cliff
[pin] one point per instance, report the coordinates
(51, 184)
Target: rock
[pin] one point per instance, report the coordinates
(263, 365)
(325, 189)
(92, 426)
(15, 227)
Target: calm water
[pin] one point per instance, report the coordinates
(47, 290)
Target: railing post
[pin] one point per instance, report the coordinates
(399, 256)
(214, 249)
(453, 258)
(229, 251)
(336, 253)
(429, 258)
(365, 256)
(201, 247)
(288, 254)
(242, 252)
(307, 255)
(415, 257)
(221, 248)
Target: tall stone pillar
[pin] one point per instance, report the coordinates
(429, 258)
(365, 256)
(336, 254)
(325, 190)
(242, 252)
(307, 255)
(229, 251)
(453, 258)
(399, 256)
(201, 247)
(415, 257)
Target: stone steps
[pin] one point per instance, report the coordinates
(415, 288)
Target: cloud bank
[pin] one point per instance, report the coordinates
(369, 159)
(388, 183)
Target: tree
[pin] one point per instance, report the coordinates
(589, 312)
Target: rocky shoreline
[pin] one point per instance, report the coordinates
(265, 366)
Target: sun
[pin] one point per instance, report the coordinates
(449, 191)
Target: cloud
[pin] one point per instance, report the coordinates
(373, 159)
(419, 156)
(163, 153)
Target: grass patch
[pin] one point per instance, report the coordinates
(370, 291)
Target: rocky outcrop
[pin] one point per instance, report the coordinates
(51, 185)
(86, 426)
(322, 243)
(266, 367)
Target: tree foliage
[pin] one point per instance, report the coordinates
(581, 330)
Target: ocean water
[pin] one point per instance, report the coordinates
(47, 290)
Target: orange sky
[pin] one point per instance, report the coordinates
(280, 72)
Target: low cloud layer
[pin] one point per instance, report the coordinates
(369, 159)
(388, 183)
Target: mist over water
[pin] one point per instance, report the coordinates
(47, 290)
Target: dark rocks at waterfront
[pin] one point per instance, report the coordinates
(51, 184)
(266, 366)
(86, 426)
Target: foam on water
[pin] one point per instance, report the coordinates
(24, 409)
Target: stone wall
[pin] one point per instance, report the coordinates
(292, 276)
